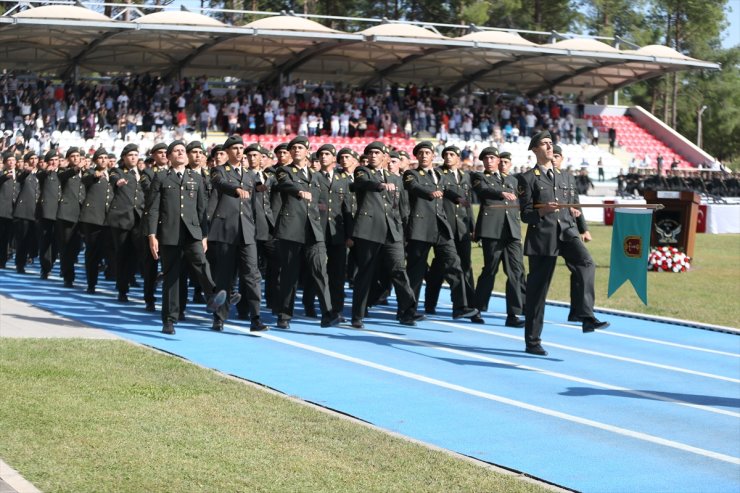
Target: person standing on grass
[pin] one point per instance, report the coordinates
(551, 232)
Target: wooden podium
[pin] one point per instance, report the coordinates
(675, 224)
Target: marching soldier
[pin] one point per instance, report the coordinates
(124, 219)
(336, 217)
(264, 220)
(551, 231)
(301, 235)
(501, 234)
(572, 189)
(68, 215)
(378, 237)
(177, 227)
(24, 213)
(232, 235)
(428, 227)
(7, 201)
(98, 196)
(51, 191)
(460, 217)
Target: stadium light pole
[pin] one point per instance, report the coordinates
(699, 136)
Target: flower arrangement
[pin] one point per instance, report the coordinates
(668, 259)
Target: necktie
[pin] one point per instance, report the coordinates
(327, 175)
(305, 174)
(457, 177)
(434, 176)
(179, 176)
(549, 174)
(239, 172)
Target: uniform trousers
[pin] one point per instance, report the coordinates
(435, 274)
(25, 242)
(313, 254)
(70, 243)
(241, 259)
(268, 254)
(336, 270)
(416, 267)
(129, 245)
(45, 231)
(371, 257)
(541, 269)
(190, 251)
(6, 235)
(96, 243)
(506, 250)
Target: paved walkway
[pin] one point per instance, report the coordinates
(19, 319)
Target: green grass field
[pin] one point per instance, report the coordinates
(708, 293)
(107, 416)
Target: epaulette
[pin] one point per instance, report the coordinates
(536, 172)
(155, 169)
(344, 175)
(206, 172)
(227, 167)
(295, 170)
(421, 172)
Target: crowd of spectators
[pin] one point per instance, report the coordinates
(34, 108)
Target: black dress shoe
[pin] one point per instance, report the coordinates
(430, 311)
(310, 313)
(514, 321)
(465, 313)
(477, 319)
(123, 297)
(90, 290)
(150, 307)
(330, 321)
(573, 318)
(418, 317)
(257, 326)
(538, 350)
(218, 325)
(591, 324)
(408, 321)
(283, 324)
(168, 328)
(216, 301)
(357, 324)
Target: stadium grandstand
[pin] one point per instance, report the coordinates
(74, 76)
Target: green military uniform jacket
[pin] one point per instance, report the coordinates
(28, 196)
(378, 211)
(298, 219)
(489, 188)
(173, 204)
(336, 207)
(128, 200)
(427, 217)
(458, 185)
(51, 192)
(73, 195)
(7, 194)
(98, 196)
(232, 215)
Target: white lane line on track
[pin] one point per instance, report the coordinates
(503, 400)
(593, 353)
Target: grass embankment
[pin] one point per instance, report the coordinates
(708, 293)
(96, 416)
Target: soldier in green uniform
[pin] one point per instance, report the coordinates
(551, 231)
(460, 217)
(68, 214)
(264, 219)
(24, 212)
(232, 235)
(46, 214)
(177, 228)
(428, 228)
(300, 233)
(378, 237)
(98, 196)
(501, 234)
(124, 219)
(7, 201)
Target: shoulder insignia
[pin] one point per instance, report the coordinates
(421, 173)
(536, 172)
(228, 168)
(206, 172)
(444, 171)
(155, 169)
(344, 175)
(294, 169)
(557, 170)
(373, 171)
(409, 177)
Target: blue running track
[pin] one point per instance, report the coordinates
(642, 406)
